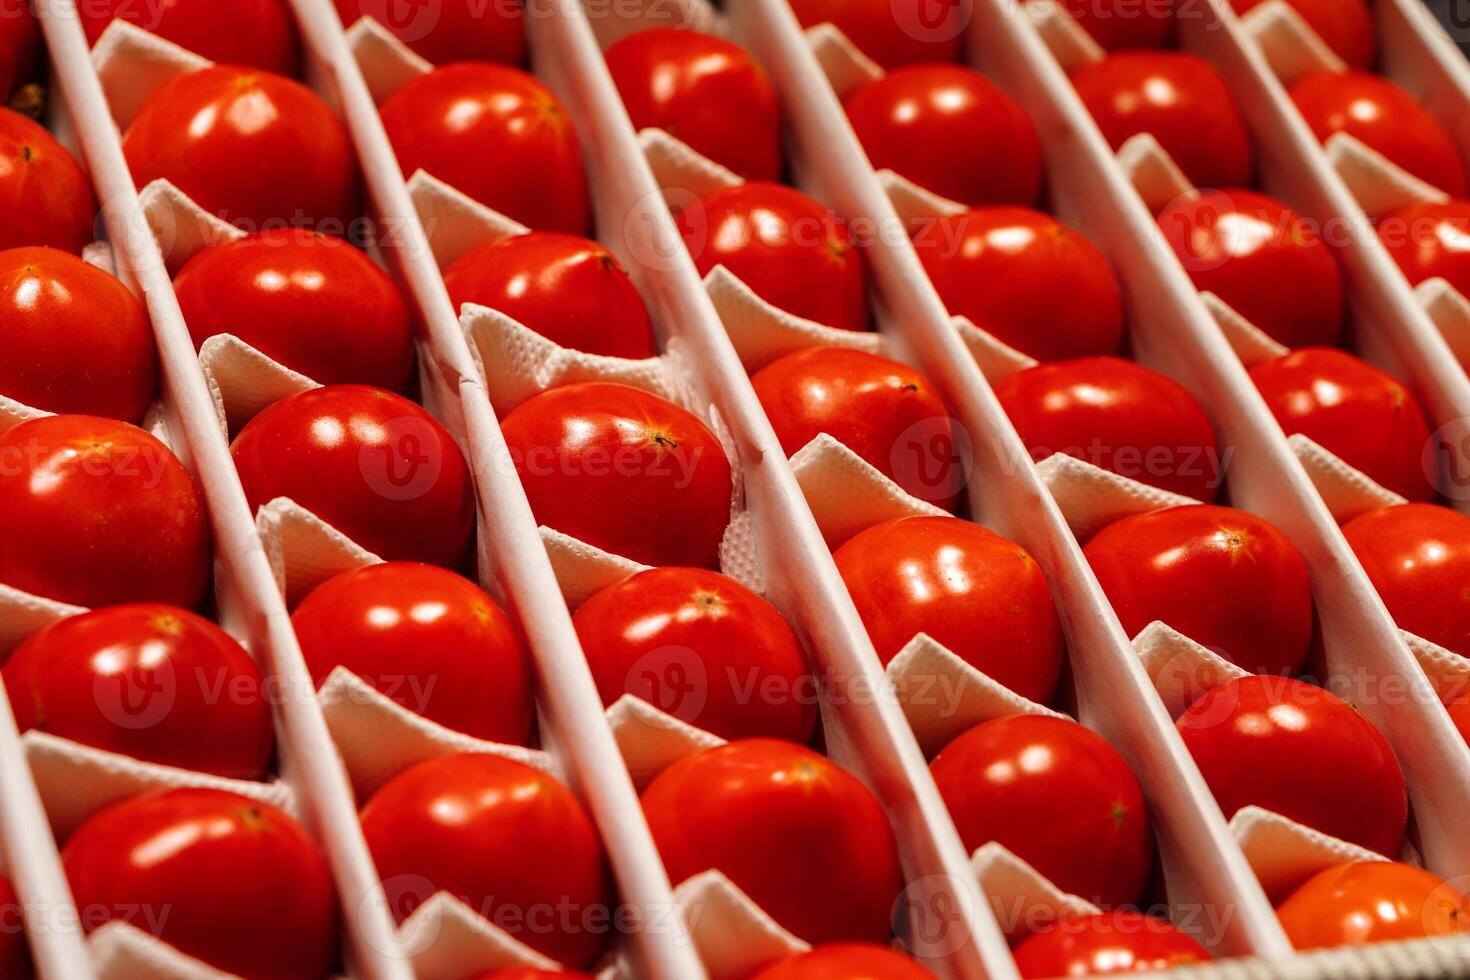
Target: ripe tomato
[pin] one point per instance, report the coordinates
(893, 33)
(73, 338)
(1372, 902)
(44, 195)
(370, 463)
(1302, 752)
(1345, 26)
(883, 410)
(532, 973)
(461, 30)
(940, 126)
(624, 471)
(1259, 256)
(256, 33)
(1223, 577)
(98, 512)
(254, 148)
(1120, 25)
(791, 251)
(1117, 415)
(1120, 941)
(228, 880)
(1430, 240)
(20, 52)
(428, 639)
(506, 839)
(704, 90)
(1418, 558)
(14, 955)
(570, 290)
(844, 961)
(1181, 100)
(1362, 414)
(310, 301)
(980, 595)
(150, 681)
(1056, 795)
(1027, 279)
(820, 859)
(1384, 117)
(702, 647)
(498, 135)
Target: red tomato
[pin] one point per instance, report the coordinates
(1372, 902)
(1025, 278)
(1459, 709)
(1418, 558)
(150, 681)
(1302, 752)
(844, 961)
(940, 126)
(1110, 942)
(705, 91)
(44, 195)
(1224, 578)
(1348, 407)
(307, 300)
(73, 338)
(243, 886)
(257, 33)
(570, 290)
(1119, 25)
(508, 840)
(820, 859)
(1181, 100)
(20, 51)
(791, 251)
(1345, 26)
(253, 148)
(498, 135)
(370, 463)
(460, 30)
(1384, 117)
(428, 639)
(624, 471)
(1429, 241)
(14, 956)
(891, 32)
(980, 595)
(532, 973)
(885, 411)
(702, 647)
(1056, 795)
(1117, 415)
(1259, 256)
(98, 512)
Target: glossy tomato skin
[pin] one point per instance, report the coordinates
(883, 410)
(1026, 279)
(147, 680)
(790, 250)
(978, 594)
(821, 859)
(1384, 117)
(706, 92)
(20, 49)
(570, 290)
(254, 148)
(624, 471)
(14, 954)
(245, 889)
(370, 463)
(1119, 25)
(844, 961)
(1259, 256)
(1056, 795)
(1181, 100)
(309, 301)
(1429, 241)
(532, 973)
(257, 33)
(940, 125)
(1119, 941)
(44, 194)
(1365, 416)
(1223, 577)
(98, 512)
(1345, 25)
(1117, 415)
(72, 338)
(1418, 558)
(893, 33)
(701, 647)
(508, 840)
(457, 30)
(1300, 751)
(498, 135)
(1372, 902)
